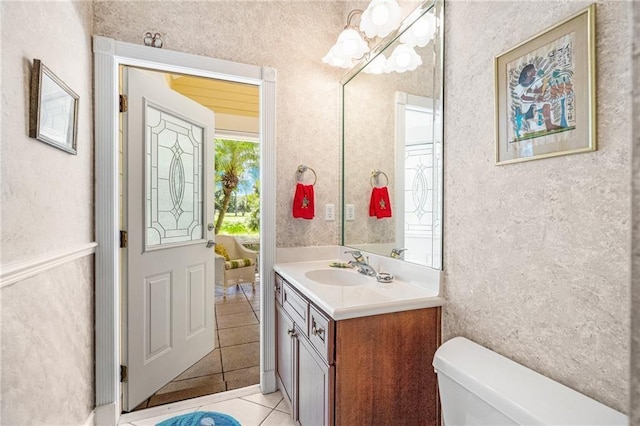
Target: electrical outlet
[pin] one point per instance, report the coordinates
(329, 212)
(350, 213)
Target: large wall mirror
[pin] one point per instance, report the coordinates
(392, 143)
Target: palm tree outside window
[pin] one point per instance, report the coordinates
(237, 185)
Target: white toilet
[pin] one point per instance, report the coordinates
(480, 387)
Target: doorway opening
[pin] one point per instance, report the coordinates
(234, 359)
(109, 56)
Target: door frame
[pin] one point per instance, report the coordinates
(109, 54)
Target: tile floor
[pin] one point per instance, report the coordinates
(235, 363)
(247, 405)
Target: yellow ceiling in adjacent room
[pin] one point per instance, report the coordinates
(223, 97)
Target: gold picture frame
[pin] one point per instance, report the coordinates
(53, 110)
(545, 93)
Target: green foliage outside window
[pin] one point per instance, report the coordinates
(237, 188)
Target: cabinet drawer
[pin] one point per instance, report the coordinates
(278, 289)
(296, 306)
(321, 331)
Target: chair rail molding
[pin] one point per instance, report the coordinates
(15, 272)
(109, 55)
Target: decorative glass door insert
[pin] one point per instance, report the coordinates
(173, 178)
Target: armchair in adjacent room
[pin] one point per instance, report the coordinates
(237, 262)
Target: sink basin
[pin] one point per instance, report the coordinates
(338, 277)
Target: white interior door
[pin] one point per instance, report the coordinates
(170, 283)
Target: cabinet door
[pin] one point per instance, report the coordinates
(285, 349)
(384, 372)
(315, 387)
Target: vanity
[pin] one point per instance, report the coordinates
(355, 351)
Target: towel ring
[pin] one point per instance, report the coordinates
(375, 174)
(301, 169)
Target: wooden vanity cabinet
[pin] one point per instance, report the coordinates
(361, 371)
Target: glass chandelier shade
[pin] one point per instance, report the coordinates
(377, 66)
(421, 32)
(349, 47)
(403, 58)
(380, 18)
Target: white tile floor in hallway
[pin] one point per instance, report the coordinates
(247, 405)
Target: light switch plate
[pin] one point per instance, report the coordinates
(350, 212)
(330, 212)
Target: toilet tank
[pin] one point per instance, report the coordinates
(480, 387)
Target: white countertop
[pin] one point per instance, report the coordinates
(344, 302)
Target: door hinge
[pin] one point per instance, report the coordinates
(123, 373)
(124, 239)
(124, 103)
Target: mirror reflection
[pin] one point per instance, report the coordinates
(392, 144)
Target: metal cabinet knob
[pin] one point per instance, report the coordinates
(317, 331)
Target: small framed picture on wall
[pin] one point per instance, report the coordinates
(545, 93)
(53, 110)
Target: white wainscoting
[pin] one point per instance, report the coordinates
(18, 271)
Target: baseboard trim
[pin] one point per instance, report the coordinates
(105, 415)
(268, 382)
(89, 421)
(20, 271)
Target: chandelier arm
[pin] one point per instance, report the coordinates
(351, 15)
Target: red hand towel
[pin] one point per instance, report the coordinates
(303, 202)
(372, 202)
(383, 205)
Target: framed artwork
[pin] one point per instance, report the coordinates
(53, 110)
(545, 93)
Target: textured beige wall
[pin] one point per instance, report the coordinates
(47, 207)
(47, 194)
(635, 217)
(537, 254)
(289, 36)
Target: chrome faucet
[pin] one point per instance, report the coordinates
(360, 263)
(364, 268)
(356, 255)
(396, 253)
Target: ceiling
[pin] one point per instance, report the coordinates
(223, 97)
